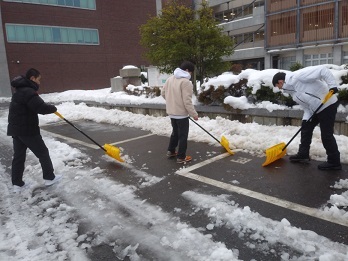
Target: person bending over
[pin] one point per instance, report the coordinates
(308, 87)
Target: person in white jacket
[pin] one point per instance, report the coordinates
(177, 91)
(308, 87)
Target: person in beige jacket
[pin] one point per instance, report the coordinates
(177, 91)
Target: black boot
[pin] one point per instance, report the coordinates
(330, 166)
(299, 158)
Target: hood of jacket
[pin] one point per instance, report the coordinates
(179, 73)
(21, 82)
(288, 86)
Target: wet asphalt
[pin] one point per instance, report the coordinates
(280, 190)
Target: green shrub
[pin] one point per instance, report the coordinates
(267, 94)
(216, 96)
(296, 66)
(149, 92)
(211, 96)
(236, 68)
(343, 96)
(344, 79)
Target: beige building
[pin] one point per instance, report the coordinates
(244, 21)
(311, 32)
(279, 33)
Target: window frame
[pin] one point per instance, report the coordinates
(83, 4)
(44, 34)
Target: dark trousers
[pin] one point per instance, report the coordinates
(38, 147)
(326, 119)
(179, 136)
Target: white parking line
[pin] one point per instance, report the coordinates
(89, 145)
(92, 146)
(203, 163)
(136, 138)
(313, 212)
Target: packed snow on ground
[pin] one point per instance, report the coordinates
(43, 224)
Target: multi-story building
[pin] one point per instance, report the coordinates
(84, 43)
(244, 22)
(310, 32)
(75, 44)
(279, 33)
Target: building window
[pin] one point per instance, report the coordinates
(237, 13)
(345, 57)
(85, 4)
(316, 59)
(19, 33)
(238, 39)
(248, 37)
(287, 62)
(281, 29)
(260, 36)
(343, 26)
(283, 24)
(318, 23)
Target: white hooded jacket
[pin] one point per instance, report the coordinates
(309, 86)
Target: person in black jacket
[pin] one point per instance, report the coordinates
(23, 126)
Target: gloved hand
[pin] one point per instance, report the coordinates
(334, 89)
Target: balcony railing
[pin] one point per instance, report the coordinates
(318, 35)
(280, 5)
(284, 39)
(344, 32)
(310, 2)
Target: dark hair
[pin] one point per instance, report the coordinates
(186, 65)
(278, 76)
(32, 72)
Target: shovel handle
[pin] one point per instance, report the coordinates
(205, 130)
(326, 98)
(61, 116)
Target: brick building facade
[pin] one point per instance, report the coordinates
(75, 44)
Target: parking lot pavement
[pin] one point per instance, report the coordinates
(280, 190)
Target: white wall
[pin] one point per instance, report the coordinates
(155, 78)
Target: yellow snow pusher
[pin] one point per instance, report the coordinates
(278, 151)
(224, 142)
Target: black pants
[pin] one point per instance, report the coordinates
(179, 136)
(38, 147)
(326, 119)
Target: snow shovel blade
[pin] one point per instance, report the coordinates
(274, 153)
(224, 142)
(113, 152)
(110, 150)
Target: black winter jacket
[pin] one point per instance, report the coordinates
(25, 106)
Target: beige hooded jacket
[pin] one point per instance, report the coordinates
(177, 91)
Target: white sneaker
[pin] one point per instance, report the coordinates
(18, 189)
(55, 180)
